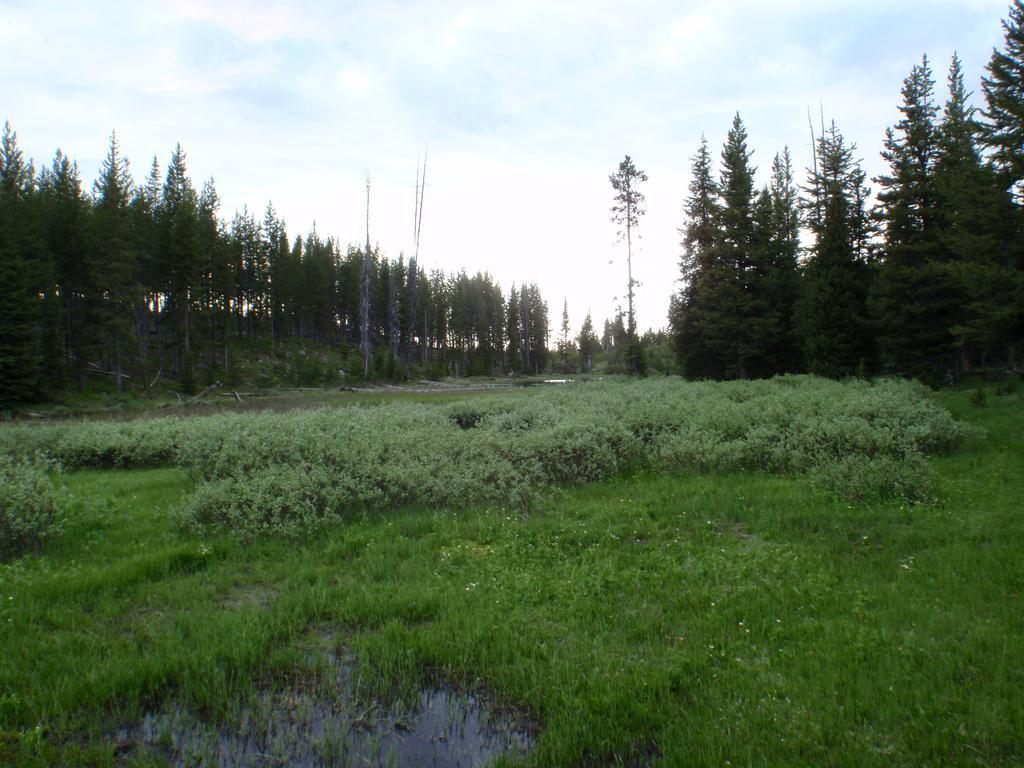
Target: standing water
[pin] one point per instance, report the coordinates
(325, 726)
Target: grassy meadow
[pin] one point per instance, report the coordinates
(792, 572)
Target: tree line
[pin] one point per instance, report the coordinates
(927, 282)
(143, 281)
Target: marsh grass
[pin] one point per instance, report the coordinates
(674, 620)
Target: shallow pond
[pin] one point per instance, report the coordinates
(323, 725)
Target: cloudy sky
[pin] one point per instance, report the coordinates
(525, 108)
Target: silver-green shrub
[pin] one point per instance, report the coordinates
(32, 505)
(291, 472)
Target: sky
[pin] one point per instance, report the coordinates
(523, 108)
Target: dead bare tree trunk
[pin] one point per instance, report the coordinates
(814, 157)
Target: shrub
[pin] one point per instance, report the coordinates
(32, 505)
(869, 479)
(979, 397)
(288, 501)
(293, 472)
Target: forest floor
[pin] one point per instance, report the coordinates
(712, 619)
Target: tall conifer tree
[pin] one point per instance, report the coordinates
(588, 344)
(915, 288)
(19, 357)
(980, 233)
(723, 293)
(115, 256)
(65, 223)
(626, 213)
(178, 256)
(699, 232)
(832, 311)
(783, 280)
(1003, 129)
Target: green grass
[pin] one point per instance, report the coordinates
(101, 404)
(300, 374)
(685, 620)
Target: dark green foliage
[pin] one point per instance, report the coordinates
(588, 344)
(566, 345)
(686, 316)
(114, 259)
(658, 352)
(979, 397)
(733, 317)
(138, 284)
(19, 252)
(1003, 130)
(1001, 322)
(715, 306)
(832, 312)
(736, 298)
(979, 231)
(65, 228)
(780, 238)
(916, 298)
(929, 286)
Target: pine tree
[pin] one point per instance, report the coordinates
(1003, 129)
(1001, 321)
(278, 273)
(588, 343)
(782, 284)
(149, 271)
(762, 326)
(616, 339)
(723, 292)
(179, 260)
(626, 213)
(19, 358)
(832, 310)
(979, 232)
(65, 231)
(411, 306)
(525, 326)
(215, 276)
(115, 256)
(915, 288)
(739, 299)
(495, 302)
(513, 327)
(538, 328)
(366, 295)
(565, 340)
(396, 277)
(700, 232)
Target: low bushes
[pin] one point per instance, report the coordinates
(293, 472)
(32, 504)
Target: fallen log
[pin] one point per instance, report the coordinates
(205, 392)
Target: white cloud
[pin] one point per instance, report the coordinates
(254, 22)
